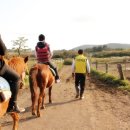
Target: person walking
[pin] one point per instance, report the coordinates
(13, 79)
(44, 55)
(80, 68)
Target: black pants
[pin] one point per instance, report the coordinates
(80, 83)
(54, 68)
(13, 79)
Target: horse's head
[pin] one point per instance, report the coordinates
(19, 64)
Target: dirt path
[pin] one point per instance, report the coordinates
(100, 110)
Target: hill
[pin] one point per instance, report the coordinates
(109, 45)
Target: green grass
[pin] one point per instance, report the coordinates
(111, 80)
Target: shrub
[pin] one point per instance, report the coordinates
(68, 61)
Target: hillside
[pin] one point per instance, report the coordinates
(109, 45)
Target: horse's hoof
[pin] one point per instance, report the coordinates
(21, 85)
(43, 107)
(33, 113)
(50, 101)
(38, 115)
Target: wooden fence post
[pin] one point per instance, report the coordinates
(96, 65)
(106, 67)
(119, 67)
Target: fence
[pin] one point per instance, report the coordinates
(120, 70)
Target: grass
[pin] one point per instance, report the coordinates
(111, 80)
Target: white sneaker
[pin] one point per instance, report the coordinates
(82, 97)
(58, 81)
(18, 109)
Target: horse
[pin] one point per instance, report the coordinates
(4, 105)
(40, 77)
(19, 65)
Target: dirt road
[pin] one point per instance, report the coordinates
(101, 109)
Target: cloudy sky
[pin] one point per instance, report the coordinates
(65, 23)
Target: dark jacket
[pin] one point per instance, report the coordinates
(2, 47)
(2, 52)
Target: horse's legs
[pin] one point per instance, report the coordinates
(40, 101)
(34, 97)
(49, 93)
(43, 101)
(15, 117)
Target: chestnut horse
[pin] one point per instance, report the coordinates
(14, 115)
(20, 66)
(40, 77)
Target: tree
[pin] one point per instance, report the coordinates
(19, 44)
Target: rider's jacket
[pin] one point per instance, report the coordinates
(43, 52)
(80, 64)
(2, 53)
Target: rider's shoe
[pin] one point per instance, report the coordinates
(15, 109)
(18, 109)
(77, 95)
(82, 97)
(57, 80)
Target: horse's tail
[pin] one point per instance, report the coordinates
(33, 79)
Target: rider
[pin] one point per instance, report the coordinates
(44, 55)
(13, 79)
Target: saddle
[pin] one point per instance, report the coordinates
(5, 92)
(52, 71)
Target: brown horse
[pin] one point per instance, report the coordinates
(40, 77)
(14, 115)
(19, 65)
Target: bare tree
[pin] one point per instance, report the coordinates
(19, 44)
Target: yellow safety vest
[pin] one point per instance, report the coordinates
(80, 64)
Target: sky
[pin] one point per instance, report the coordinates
(65, 23)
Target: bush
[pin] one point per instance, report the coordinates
(68, 61)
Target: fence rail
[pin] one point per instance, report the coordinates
(120, 70)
